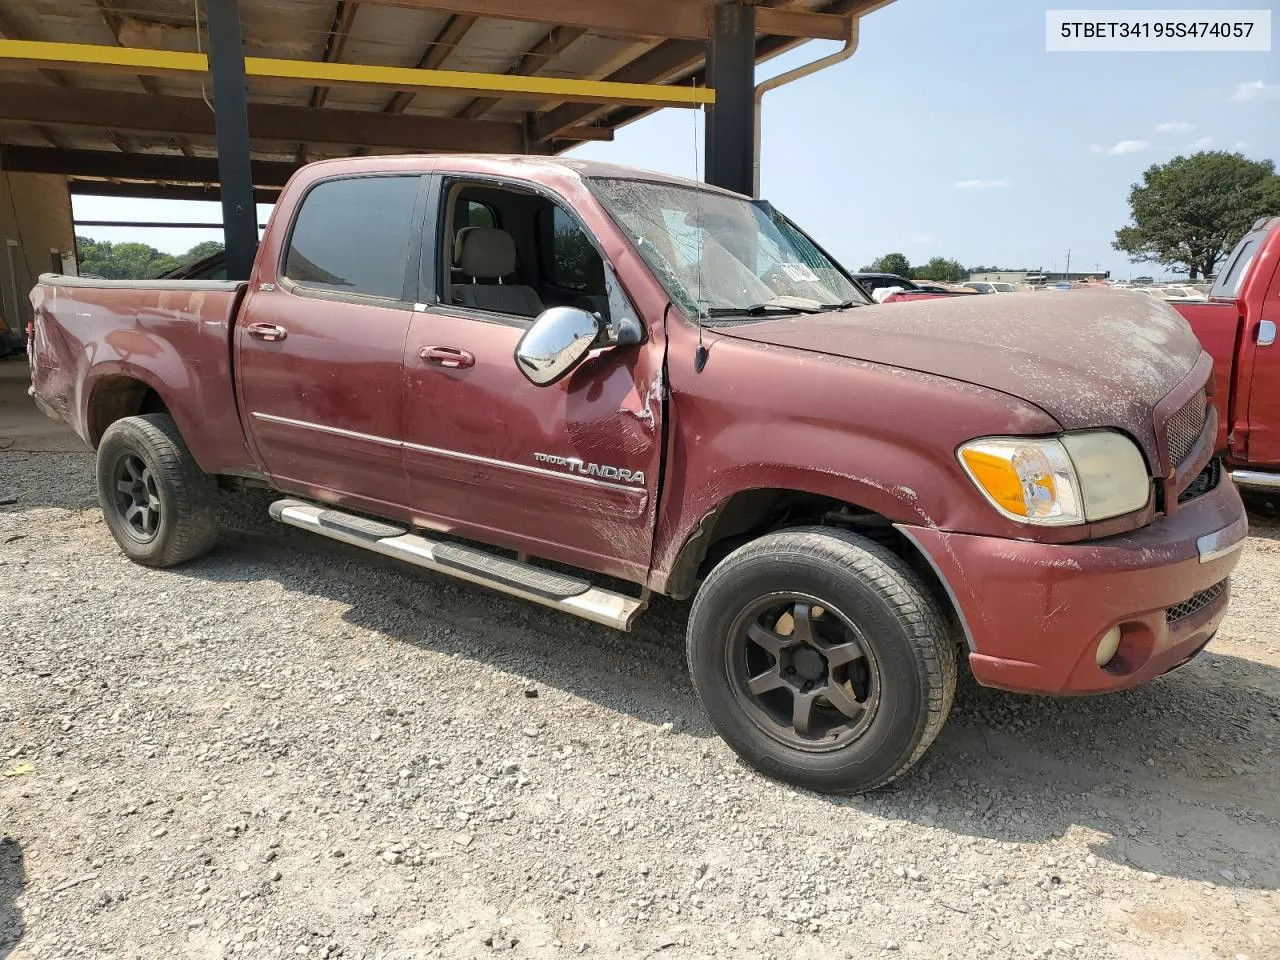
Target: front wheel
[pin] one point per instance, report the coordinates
(157, 501)
(821, 659)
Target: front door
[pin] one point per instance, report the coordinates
(568, 472)
(320, 352)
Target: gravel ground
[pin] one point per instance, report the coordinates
(286, 749)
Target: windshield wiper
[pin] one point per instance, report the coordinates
(780, 304)
(845, 305)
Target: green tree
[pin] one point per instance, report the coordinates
(201, 250)
(1189, 213)
(941, 268)
(134, 261)
(895, 263)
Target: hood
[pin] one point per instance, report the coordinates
(1088, 359)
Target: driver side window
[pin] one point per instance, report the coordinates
(510, 253)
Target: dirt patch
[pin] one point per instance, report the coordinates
(285, 749)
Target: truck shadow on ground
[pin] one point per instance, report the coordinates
(1176, 778)
(12, 881)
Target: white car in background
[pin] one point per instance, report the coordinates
(991, 286)
(1177, 291)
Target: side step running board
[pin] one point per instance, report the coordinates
(547, 587)
(1256, 478)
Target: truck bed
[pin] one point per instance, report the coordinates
(96, 340)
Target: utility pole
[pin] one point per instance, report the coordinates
(1067, 276)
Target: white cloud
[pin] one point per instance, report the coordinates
(1097, 148)
(1240, 146)
(1203, 143)
(1127, 146)
(1257, 91)
(982, 184)
(1176, 126)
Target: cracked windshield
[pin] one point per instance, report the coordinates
(723, 256)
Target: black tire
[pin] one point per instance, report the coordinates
(147, 455)
(842, 588)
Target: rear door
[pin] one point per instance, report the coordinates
(568, 472)
(320, 351)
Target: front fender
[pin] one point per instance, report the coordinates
(898, 499)
(760, 417)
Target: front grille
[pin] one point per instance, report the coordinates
(1182, 430)
(1196, 603)
(1206, 480)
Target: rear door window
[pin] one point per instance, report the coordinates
(353, 236)
(1228, 283)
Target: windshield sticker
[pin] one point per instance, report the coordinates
(798, 272)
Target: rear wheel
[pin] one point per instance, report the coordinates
(822, 659)
(157, 501)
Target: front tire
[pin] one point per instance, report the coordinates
(156, 500)
(822, 659)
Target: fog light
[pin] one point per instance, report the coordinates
(1108, 646)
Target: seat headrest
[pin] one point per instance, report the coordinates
(486, 253)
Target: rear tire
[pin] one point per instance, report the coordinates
(822, 659)
(156, 500)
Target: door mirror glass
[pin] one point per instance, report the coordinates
(556, 343)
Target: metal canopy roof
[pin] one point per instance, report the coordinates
(322, 87)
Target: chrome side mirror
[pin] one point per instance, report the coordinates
(557, 342)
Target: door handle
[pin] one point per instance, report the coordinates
(267, 331)
(450, 357)
(1266, 333)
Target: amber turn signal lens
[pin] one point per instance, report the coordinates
(995, 474)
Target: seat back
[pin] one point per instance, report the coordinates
(486, 255)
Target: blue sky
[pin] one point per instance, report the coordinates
(950, 132)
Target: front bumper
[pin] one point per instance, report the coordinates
(1035, 612)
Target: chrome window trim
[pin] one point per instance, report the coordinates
(451, 454)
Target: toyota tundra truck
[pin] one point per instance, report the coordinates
(583, 384)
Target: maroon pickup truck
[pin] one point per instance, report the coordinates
(1237, 326)
(580, 383)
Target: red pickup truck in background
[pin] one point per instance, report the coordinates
(1237, 326)
(480, 364)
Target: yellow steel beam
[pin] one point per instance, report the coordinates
(87, 56)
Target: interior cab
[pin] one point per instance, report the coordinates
(516, 252)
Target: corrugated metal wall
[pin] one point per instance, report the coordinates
(35, 221)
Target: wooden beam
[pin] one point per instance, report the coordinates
(33, 103)
(58, 79)
(156, 224)
(112, 19)
(437, 52)
(802, 24)
(538, 57)
(344, 16)
(160, 191)
(95, 57)
(132, 166)
(658, 65)
(676, 58)
(588, 133)
(765, 48)
(677, 19)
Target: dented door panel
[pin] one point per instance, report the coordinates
(568, 472)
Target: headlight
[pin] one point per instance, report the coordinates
(1075, 478)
